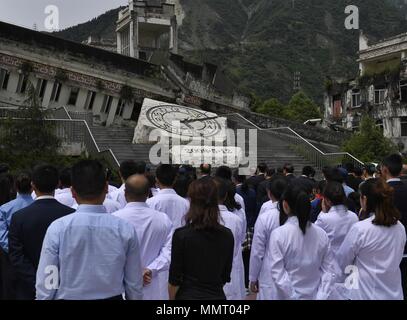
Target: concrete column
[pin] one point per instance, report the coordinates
(13, 82)
(80, 102)
(174, 36)
(112, 112)
(131, 40)
(47, 94)
(97, 106)
(119, 42)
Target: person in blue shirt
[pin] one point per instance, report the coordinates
(90, 255)
(24, 199)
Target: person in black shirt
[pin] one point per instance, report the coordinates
(202, 251)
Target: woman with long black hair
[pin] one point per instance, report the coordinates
(298, 255)
(374, 247)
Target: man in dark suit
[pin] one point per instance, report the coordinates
(306, 181)
(258, 177)
(205, 170)
(28, 227)
(288, 171)
(391, 170)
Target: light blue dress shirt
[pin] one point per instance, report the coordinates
(96, 256)
(6, 212)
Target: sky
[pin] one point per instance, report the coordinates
(26, 13)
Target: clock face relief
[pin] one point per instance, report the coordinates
(193, 123)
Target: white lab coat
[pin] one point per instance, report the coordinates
(235, 290)
(169, 202)
(154, 232)
(266, 223)
(118, 196)
(269, 205)
(337, 223)
(65, 197)
(376, 252)
(242, 215)
(175, 207)
(302, 266)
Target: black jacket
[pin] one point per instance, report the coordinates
(400, 200)
(27, 231)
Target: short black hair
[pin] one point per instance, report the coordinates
(335, 193)
(370, 169)
(3, 168)
(350, 167)
(308, 171)
(333, 175)
(289, 168)
(45, 178)
(128, 168)
(262, 167)
(271, 172)
(141, 167)
(23, 183)
(358, 171)
(65, 178)
(166, 174)
(88, 179)
(394, 164)
(224, 172)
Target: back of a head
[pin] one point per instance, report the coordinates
(128, 168)
(224, 172)
(89, 179)
(299, 204)
(137, 188)
(394, 164)
(222, 188)
(166, 175)
(5, 189)
(380, 201)
(230, 201)
(65, 178)
(270, 172)
(288, 168)
(3, 168)
(262, 168)
(334, 175)
(335, 193)
(350, 167)
(308, 171)
(23, 183)
(358, 172)
(370, 169)
(45, 178)
(205, 169)
(182, 184)
(204, 211)
(277, 187)
(141, 167)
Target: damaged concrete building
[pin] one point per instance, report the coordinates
(380, 90)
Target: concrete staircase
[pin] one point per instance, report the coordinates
(271, 149)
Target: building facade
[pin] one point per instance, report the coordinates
(380, 90)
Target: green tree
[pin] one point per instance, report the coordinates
(31, 136)
(369, 144)
(272, 108)
(301, 108)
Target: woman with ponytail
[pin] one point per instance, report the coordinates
(298, 255)
(374, 247)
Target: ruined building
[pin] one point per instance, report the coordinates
(380, 90)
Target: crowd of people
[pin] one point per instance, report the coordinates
(204, 234)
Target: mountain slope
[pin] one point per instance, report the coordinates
(261, 43)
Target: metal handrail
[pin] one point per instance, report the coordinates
(308, 143)
(87, 137)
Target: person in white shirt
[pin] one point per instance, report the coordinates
(63, 194)
(260, 280)
(154, 232)
(235, 289)
(375, 246)
(335, 219)
(298, 255)
(174, 206)
(127, 169)
(167, 200)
